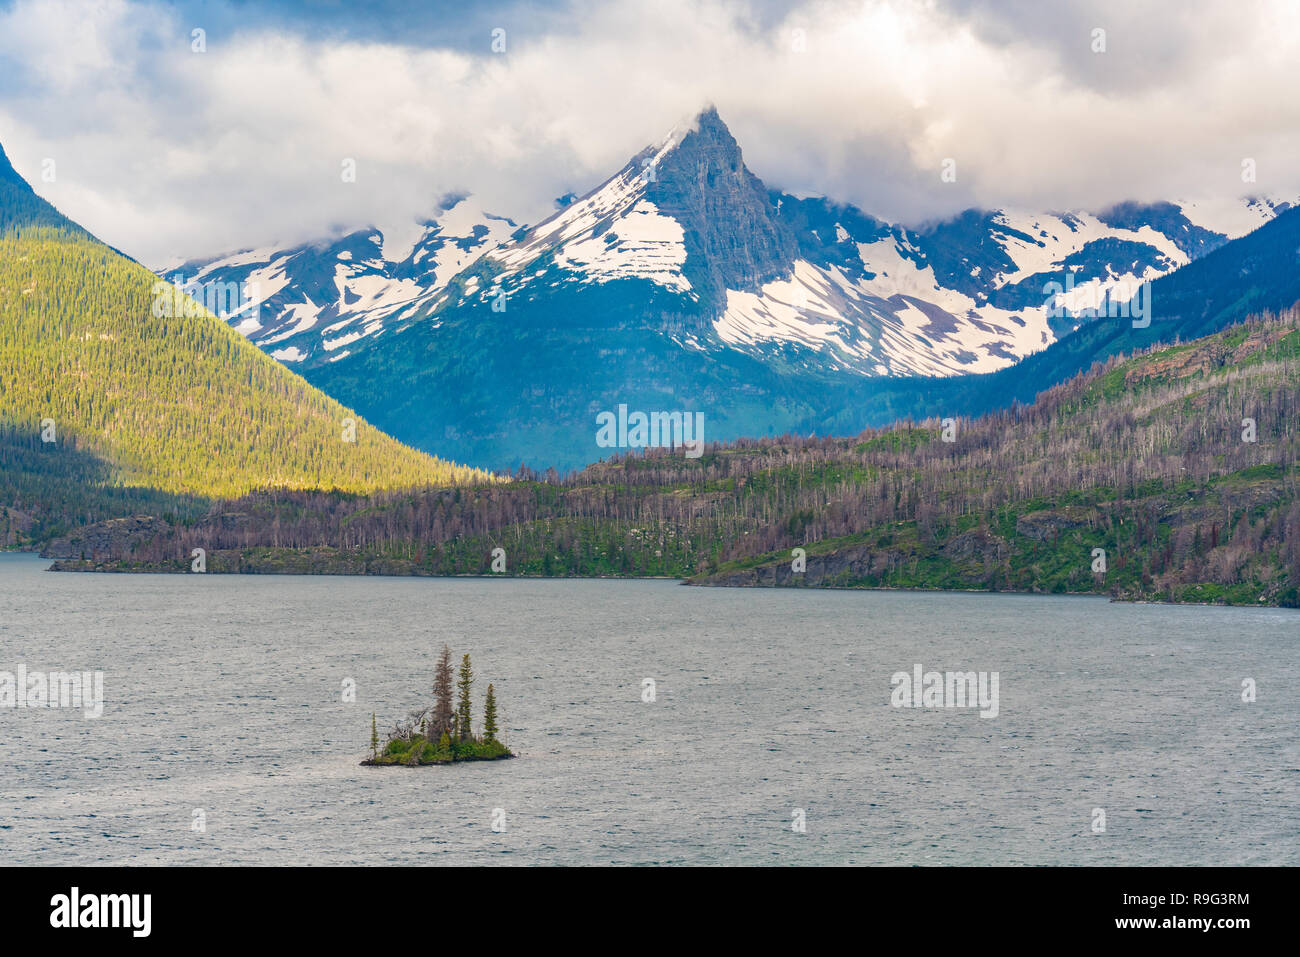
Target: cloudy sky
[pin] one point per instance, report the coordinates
(167, 152)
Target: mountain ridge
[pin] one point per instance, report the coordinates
(855, 294)
(710, 292)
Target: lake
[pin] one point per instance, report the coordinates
(225, 736)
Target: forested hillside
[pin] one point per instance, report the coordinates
(106, 408)
(1148, 458)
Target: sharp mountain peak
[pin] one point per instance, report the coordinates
(695, 177)
(734, 238)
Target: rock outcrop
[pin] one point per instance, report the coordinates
(114, 539)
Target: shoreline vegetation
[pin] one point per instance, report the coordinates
(442, 733)
(1214, 600)
(1171, 475)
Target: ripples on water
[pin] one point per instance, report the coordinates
(224, 694)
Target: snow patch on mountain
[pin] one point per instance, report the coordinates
(613, 232)
(1055, 237)
(643, 244)
(312, 299)
(785, 310)
(290, 354)
(898, 323)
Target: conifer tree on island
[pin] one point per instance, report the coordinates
(490, 715)
(463, 716)
(442, 713)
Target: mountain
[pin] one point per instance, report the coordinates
(1142, 462)
(1256, 274)
(683, 283)
(316, 302)
(112, 395)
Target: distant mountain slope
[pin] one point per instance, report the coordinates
(1169, 475)
(1252, 275)
(179, 404)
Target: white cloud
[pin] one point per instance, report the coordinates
(164, 152)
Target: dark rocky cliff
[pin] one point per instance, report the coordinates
(734, 239)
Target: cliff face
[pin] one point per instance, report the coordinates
(15, 527)
(733, 237)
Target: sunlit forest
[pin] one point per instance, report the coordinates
(105, 406)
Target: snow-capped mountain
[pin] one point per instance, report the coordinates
(316, 302)
(845, 291)
(683, 281)
(768, 273)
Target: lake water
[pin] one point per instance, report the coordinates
(223, 695)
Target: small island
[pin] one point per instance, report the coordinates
(441, 734)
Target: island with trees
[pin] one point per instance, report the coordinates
(443, 732)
